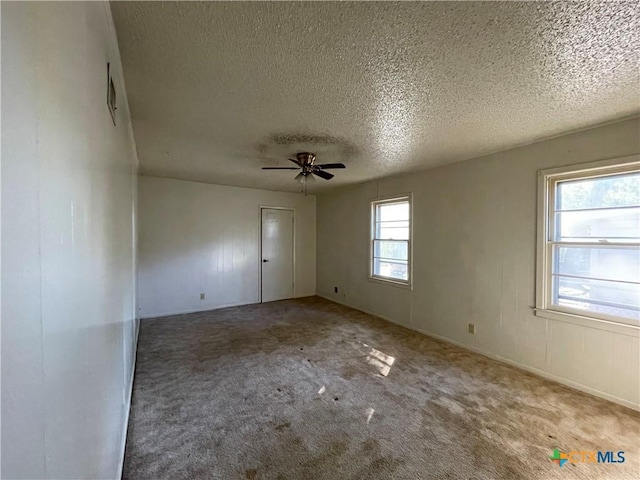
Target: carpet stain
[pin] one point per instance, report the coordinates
(232, 393)
(338, 448)
(283, 426)
(329, 455)
(370, 445)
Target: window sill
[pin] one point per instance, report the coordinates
(606, 325)
(390, 282)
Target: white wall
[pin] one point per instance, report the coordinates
(474, 261)
(68, 249)
(201, 238)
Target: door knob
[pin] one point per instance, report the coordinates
(264, 260)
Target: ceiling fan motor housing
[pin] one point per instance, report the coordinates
(306, 160)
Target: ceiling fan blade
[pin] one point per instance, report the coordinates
(296, 162)
(321, 174)
(280, 168)
(326, 166)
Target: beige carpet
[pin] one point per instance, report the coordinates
(308, 389)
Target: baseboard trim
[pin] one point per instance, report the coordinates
(195, 310)
(535, 371)
(127, 413)
(217, 307)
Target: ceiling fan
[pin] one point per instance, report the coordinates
(305, 161)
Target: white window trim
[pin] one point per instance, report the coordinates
(385, 280)
(543, 307)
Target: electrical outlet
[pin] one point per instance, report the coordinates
(472, 328)
(202, 296)
(335, 289)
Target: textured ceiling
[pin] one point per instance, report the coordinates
(218, 90)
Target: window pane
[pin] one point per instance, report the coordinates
(391, 240)
(609, 263)
(393, 211)
(394, 223)
(618, 224)
(610, 298)
(610, 191)
(391, 231)
(397, 270)
(391, 250)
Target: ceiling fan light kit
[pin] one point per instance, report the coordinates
(305, 161)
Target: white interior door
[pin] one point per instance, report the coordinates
(277, 254)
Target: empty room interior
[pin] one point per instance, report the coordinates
(320, 240)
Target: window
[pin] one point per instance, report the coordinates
(589, 241)
(391, 240)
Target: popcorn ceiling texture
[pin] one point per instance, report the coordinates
(219, 89)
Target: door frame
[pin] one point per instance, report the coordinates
(293, 213)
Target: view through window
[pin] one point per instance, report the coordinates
(391, 237)
(593, 243)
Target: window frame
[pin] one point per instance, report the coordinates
(372, 238)
(547, 181)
